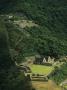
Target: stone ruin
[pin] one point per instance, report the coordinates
(37, 59)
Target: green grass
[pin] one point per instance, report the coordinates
(65, 86)
(40, 69)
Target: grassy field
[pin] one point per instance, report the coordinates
(41, 69)
(65, 86)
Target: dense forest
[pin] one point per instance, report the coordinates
(10, 77)
(48, 39)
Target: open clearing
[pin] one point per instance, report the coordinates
(50, 85)
(41, 69)
(39, 83)
(25, 23)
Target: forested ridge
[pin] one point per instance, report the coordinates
(50, 37)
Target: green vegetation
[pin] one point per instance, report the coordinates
(16, 43)
(34, 40)
(10, 77)
(50, 38)
(41, 69)
(60, 74)
(65, 86)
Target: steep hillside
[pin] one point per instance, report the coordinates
(28, 28)
(10, 77)
(50, 37)
(60, 74)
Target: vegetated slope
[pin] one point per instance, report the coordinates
(21, 44)
(60, 74)
(10, 77)
(51, 37)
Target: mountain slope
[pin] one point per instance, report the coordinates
(60, 74)
(50, 38)
(10, 77)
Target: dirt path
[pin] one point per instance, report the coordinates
(50, 85)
